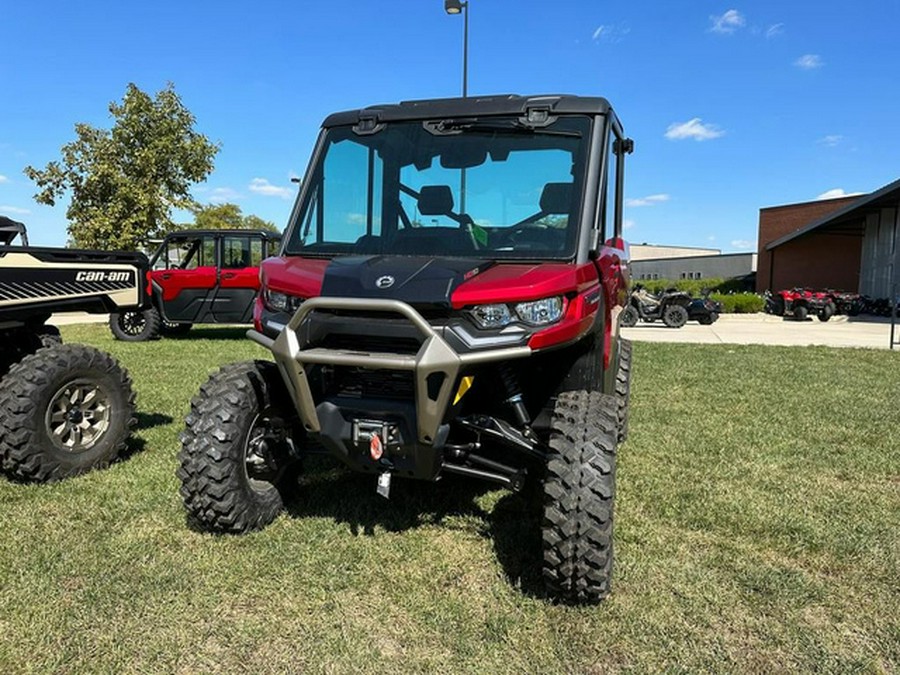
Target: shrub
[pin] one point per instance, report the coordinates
(739, 303)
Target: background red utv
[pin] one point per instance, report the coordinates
(199, 276)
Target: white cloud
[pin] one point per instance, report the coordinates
(774, 30)
(628, 224)
(809, 62)
(15, 209)
(222, 195)
(729, 22)
(695, 129)
(4, 179)
(830, 140)
(611, 34)
(743, 244)
(650, 200)
(835, 193)
(263, 187)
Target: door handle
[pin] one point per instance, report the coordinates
(167, 275)
(229, 275)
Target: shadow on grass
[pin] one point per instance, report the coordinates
(513, 524)
(515, 528)
(150, 420)
(350, 498)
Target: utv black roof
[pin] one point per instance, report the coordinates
(473, 106)
(10, 229)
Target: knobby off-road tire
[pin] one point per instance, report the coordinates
(675, 316)
(136, 326)
(826, 312)
(220, 492)
(623, 389)
(800, 313)
(709, 319)
(64, 410)
(629, 316)
(48, 336)
(579, 490)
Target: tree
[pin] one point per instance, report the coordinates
(125, 181)
(228, 217)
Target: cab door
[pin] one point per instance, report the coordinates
(240, 256)
(184, 278)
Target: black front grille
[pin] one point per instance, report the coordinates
(370, 343)
(361, 383)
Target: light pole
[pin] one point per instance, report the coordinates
(459, 7)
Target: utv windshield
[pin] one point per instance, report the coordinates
(489, 187)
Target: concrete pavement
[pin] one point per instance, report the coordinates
(68, 318)
(764, 329)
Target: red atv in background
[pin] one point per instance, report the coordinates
(199, 276)
(447, 303)
(800, 303)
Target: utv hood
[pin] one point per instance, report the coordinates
(419, 281)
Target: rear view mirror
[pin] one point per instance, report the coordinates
(460, 156)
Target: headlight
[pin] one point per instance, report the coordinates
(491, 316)
(540, 312)
(281, 302)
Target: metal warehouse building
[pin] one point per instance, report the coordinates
(847, 244)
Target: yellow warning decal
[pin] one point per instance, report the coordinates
(464, 385)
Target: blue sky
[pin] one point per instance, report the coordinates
(732, 105)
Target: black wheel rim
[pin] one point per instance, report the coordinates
(132, 323)
(264, 462)
(78, 416)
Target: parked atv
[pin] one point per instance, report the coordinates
(419, 332)
(800, 303)
(64, 409)
(198, 276)
(704, 311)
(672, 306)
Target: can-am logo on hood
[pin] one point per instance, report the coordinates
(385, 282)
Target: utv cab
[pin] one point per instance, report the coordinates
(199, 277)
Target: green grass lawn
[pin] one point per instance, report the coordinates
(757, 530)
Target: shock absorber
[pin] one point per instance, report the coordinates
(514, 399)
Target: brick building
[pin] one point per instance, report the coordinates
(845, 244)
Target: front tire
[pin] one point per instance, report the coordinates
(237, 461)
(826, 312)
(579, 491)
(675, 316)
(64, 410)
(800, 312)
(629, 316)
(135, 326)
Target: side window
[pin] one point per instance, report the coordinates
(236, 252)
(242, 251)
(208, 252)
(256, 251)
(189, 254)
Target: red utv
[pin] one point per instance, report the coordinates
(447, 303)
(800, 303)
(199, 276)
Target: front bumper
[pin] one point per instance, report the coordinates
(436, 368)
